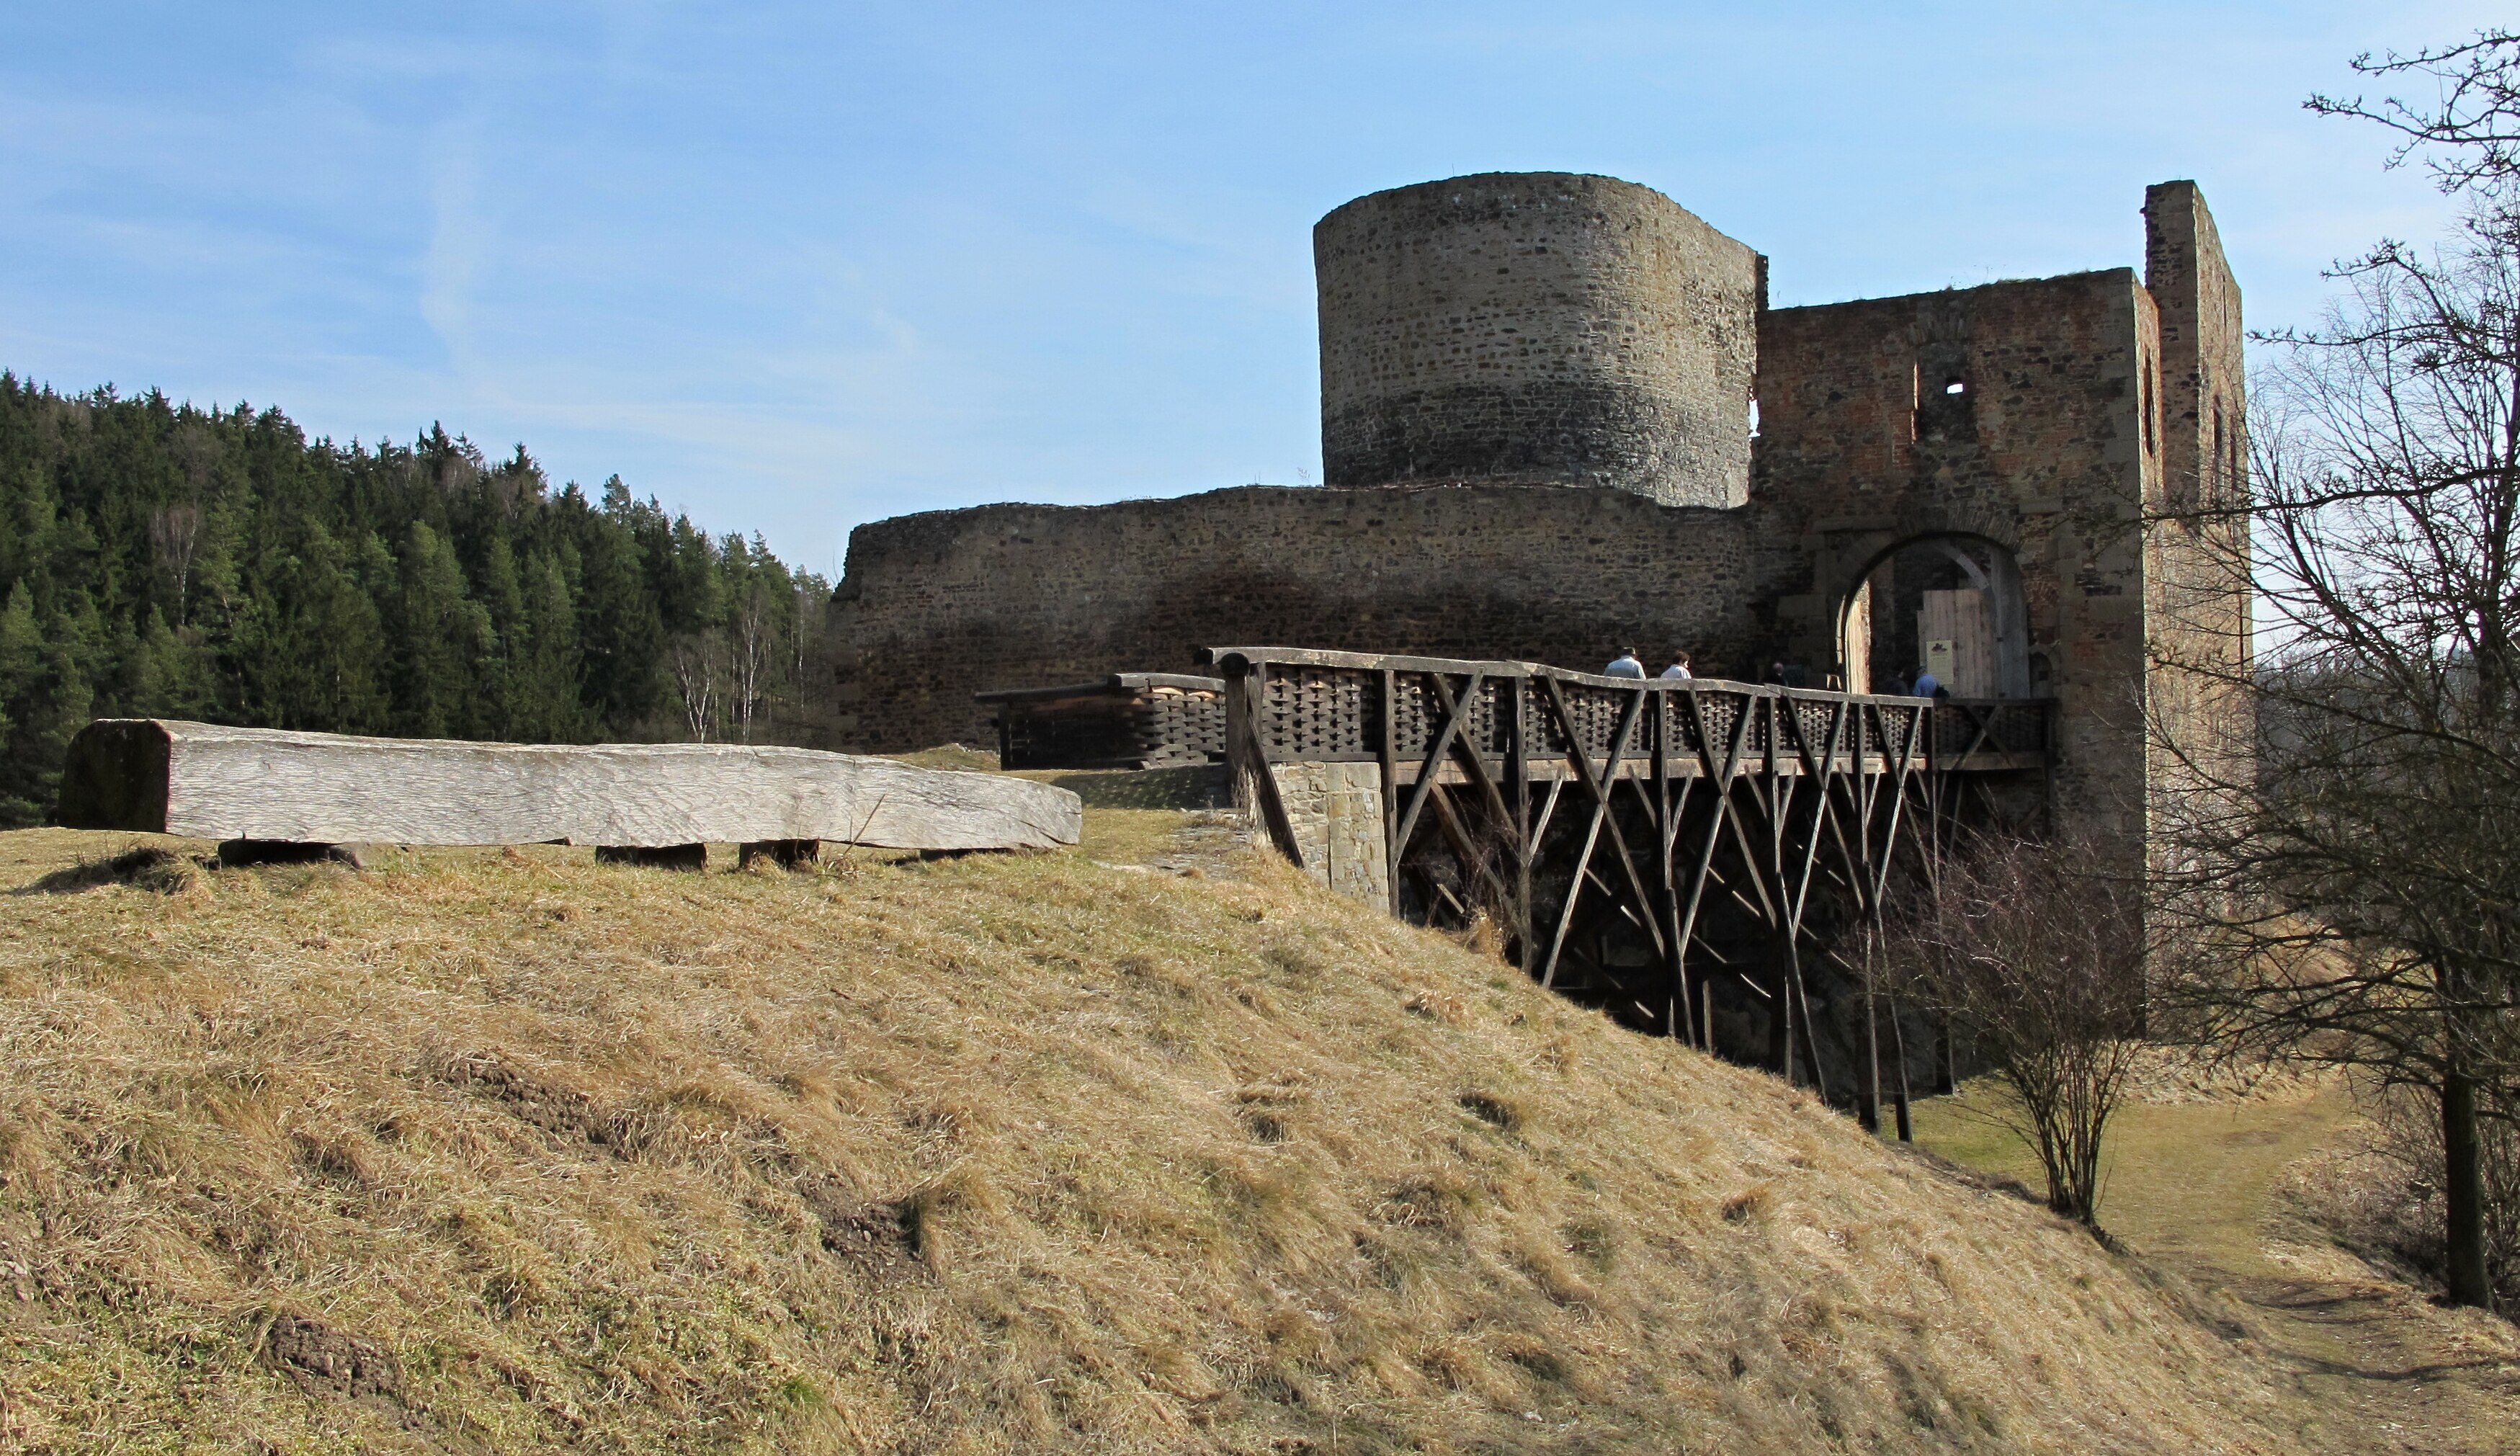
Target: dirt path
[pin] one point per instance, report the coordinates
(2188, 1186)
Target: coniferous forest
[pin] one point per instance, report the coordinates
(162, 561)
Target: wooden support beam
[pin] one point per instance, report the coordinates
(1465, 851)
(1599, 789)
(1386, 756)
(206, 781)
(1246, 750)
(1467, 753)
(1718, 772)
(1574, 894)
(1437, 747)
(1517, 783)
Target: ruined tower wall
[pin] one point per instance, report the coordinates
(2203, 381)
(1542, 327)
(2044, 454)
(2198, 571)
(935, 608)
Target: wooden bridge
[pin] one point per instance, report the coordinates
(1689, 854)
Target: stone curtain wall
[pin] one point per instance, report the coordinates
(935, 608)
(2045, 453)
(1535, 327)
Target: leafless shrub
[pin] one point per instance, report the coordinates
(2040, 965)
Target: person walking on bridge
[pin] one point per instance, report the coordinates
(1927, 685)
(1625, 664)
(1679, 665)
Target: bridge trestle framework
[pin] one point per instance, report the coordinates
(1702, 859)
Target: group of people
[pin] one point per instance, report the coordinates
(1628, 664)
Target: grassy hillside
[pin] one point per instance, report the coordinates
(505, 1152)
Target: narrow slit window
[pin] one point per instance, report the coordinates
(2219, 487)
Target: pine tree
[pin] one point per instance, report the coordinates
(161, 560)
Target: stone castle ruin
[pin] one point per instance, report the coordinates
(1559, 418)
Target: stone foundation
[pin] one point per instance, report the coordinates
(1336, 813)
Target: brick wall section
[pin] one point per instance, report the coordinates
(2042, 454)
(934, 608)
(1537, 326)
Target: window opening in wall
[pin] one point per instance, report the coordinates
(1946, 411)
(2144, 400)
(2216, 488)
(1754, 417)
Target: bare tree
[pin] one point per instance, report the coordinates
(176, 534)
(752, 653)
(2469, 131)
(2361, 888)
(2354, 888)
(2041, 964)
(696, 681)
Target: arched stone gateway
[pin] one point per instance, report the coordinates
(1948, 601)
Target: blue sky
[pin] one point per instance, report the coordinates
(796, 267)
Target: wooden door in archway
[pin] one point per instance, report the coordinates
(1956, 631)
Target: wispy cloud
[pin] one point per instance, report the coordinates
(459, 238)
(795, 266)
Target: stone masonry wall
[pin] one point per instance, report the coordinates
(1537, 326)
(2197, 574)
(1541, 331)
(934, 608)
(1336, 813)
(2044, 454)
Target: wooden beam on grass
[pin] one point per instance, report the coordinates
(204, 781)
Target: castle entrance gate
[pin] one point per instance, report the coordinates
(1949, 603)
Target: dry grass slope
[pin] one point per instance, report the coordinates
(505, 1153)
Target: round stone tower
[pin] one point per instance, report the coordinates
(1535, 327)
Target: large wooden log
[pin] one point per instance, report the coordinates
(211, 782)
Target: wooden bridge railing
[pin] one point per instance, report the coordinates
(1317, 705)
(1658, 846)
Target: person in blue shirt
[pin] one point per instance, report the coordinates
(1625, 664)
(1927, 684)
(1678, 666)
